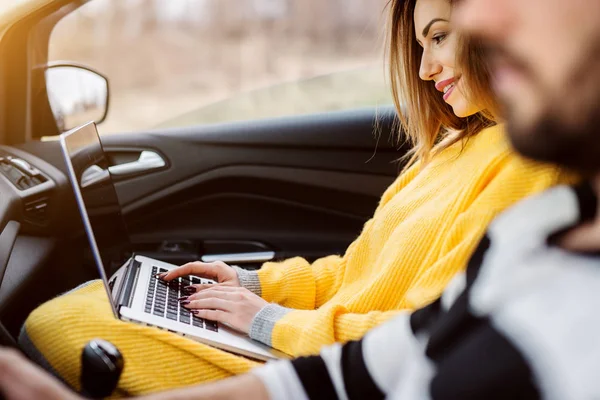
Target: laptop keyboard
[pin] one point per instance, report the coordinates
(162, 300)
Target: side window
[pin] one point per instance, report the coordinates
(173, 63)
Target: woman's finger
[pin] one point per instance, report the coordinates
(209, 304)
(217, 294)
(203, 270)
(214, 315)
(189, 290)
(224, 287)
(192, 289)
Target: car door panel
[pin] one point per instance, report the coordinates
(297, 186)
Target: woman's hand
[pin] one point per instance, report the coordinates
(234, 306)
(218, 271)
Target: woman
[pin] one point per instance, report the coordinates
(462, 173)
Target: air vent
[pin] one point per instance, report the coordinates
(20, 173)
(36, 210)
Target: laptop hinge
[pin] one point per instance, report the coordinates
(131, 274)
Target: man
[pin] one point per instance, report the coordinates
(523, 322)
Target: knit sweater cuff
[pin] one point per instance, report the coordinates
(249, 280)
(263, 323)
(290, 282)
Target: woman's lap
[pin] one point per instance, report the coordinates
(56, 332)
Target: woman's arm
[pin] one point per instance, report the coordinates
(298, 284)
(293, 283)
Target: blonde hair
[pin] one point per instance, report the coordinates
(425, 119)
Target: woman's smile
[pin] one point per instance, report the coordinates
(447, 87)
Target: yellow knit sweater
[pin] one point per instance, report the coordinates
(423, 232)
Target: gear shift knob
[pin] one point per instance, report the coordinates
(101, 368)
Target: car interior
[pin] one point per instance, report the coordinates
(243, 192)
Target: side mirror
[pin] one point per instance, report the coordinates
(77, 94)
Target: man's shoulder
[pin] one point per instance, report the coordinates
(543, 299)
(537, 215)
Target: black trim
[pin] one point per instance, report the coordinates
(6, 338)
(426, 317)
(451, 329)
(476, 260)
(483, 365)
(588, 202)
(423, 318)
(132, 272)
(315, 378)
(357, 380)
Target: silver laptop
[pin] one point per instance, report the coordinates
(134, 292)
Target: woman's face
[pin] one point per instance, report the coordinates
(439, 43)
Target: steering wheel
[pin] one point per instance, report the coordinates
(6, 338)
(8, 237)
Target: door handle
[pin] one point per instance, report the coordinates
(240, 258)
(148, 161)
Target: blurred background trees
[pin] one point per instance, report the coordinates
(166, 57)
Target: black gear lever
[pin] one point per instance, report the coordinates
(101, 368)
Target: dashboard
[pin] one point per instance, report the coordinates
(29, 186)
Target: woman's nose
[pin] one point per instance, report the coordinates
(429, 67)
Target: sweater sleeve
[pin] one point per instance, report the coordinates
(296, 283)
(301, 332)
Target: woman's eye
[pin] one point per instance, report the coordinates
(437, 39)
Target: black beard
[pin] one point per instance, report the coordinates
(568, 134)
(552, 139)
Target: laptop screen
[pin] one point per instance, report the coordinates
(97, 198)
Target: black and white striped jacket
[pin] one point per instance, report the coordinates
(522, 322)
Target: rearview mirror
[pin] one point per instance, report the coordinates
(77, 95)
